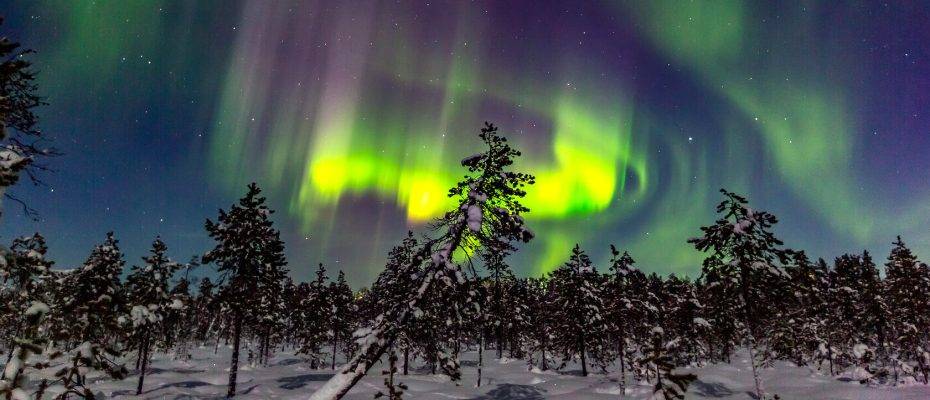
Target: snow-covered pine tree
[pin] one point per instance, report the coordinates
(315, 311)
(89, 313)
(499, 276)
(656, 362)
(580, 328)
(777, 300)
(269, 314)
(246, 241)
(623, 311)
(22, 269)
(98, 295)
(908, 297)
(718, 296)
(683, 321)
(540, 321)
(488, 215)
(743, 251)
(204, 309)
(341, 321)
(517, 298)
(845, 296)
(859, 311)
(178, 325)
(440, 328)
(392, 286)
(801, 328)
(150, 302)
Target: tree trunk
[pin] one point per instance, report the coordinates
(335, 342)
(234, 363)
(584, 363)
(499, 326)
(480, 357)
(144, 351)
(406, 358)
(545, 362)
(138, 356)
(622, 365)
(748, 313)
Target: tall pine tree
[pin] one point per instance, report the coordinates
(246, 243)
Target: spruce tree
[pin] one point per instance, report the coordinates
(656, 362)
(98, 298)
(22, 270)
(906, 291)
(89, 313)
(743, 251)
(204, 309)
(340, 318)
(269, 314)
(151, 302)
(315, 309)
(392, 286)
(24, 305)
(801, 326)
(624, 311)
(580, 327)
(541, 320)
(499, 276)
(246, 242)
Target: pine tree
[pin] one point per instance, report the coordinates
(518, 301)
(906, 291)
(392, 286)
(23, 269)
(246, 242)
(580, 328)
(151, 302)
(488, 216)
(540, 320)
(90, 313)
(20, 139)
(98, 299)
(683, 322)
(858, 311)
(743, 251)
(721, 305)
(499, 275)
(315, 309)
(801, 327)
(269, 314)
(624, 311)
(340, 318)
(657, 363)
(204, 306)
(178, 326)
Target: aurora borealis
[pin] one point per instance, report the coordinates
(353, 117)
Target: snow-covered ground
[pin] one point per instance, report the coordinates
(288, 377)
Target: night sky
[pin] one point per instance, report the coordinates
(353, 115)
